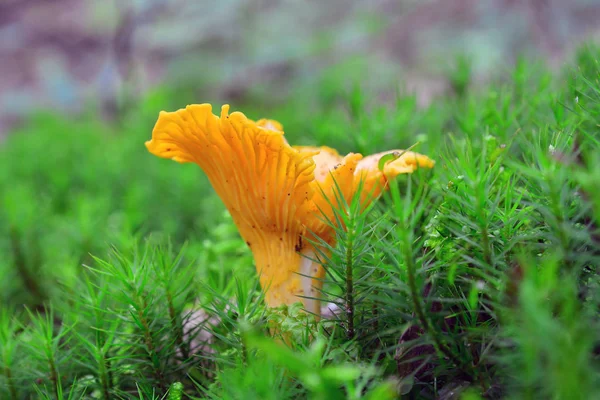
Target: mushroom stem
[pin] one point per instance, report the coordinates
(288, 276)
(310, 285)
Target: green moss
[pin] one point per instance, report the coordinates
(123, 276)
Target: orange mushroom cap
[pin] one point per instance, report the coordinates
(276, 193)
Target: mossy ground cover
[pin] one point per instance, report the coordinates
(124, 277)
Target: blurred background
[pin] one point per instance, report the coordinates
(69, 54)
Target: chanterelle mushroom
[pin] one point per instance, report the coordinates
(276, 194)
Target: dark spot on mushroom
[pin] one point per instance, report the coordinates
(281, 239)
(253, 226)
(169, 149)
(249, 244)
(289, 194)
(299, 245)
